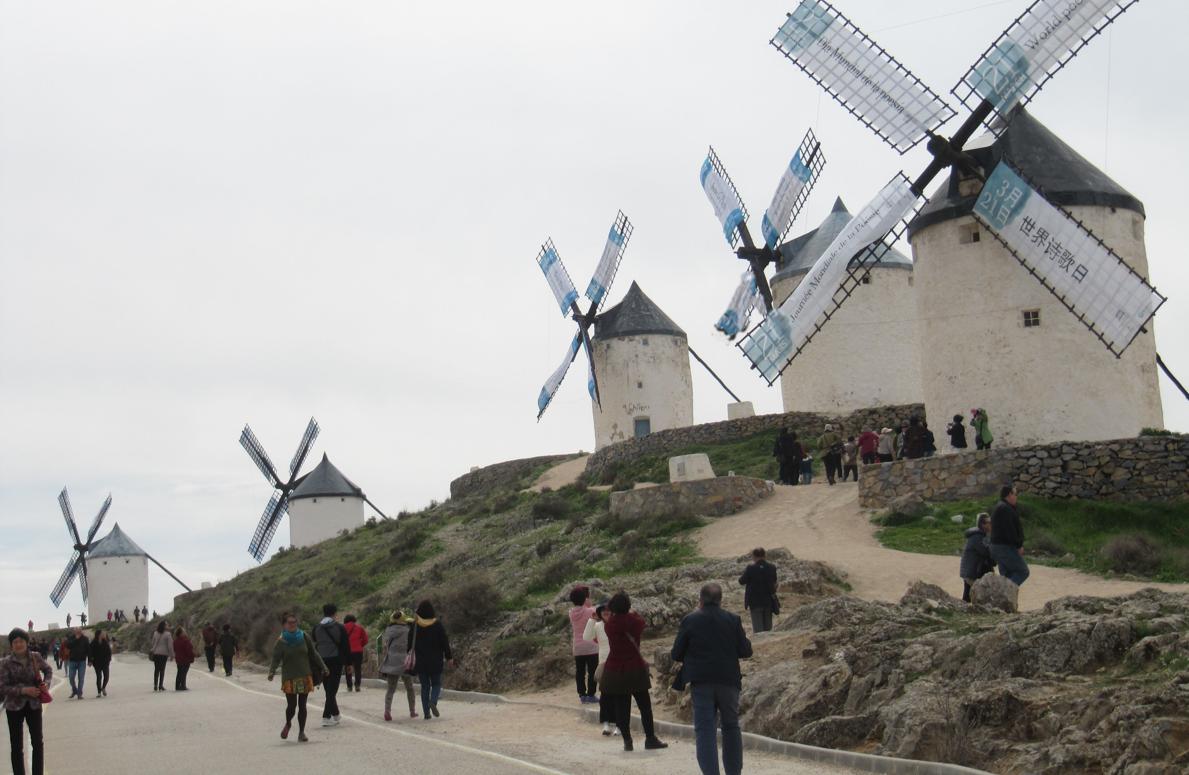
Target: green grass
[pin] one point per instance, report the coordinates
(750, 456)
(1056, 529)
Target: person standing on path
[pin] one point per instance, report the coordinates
(709, 645)
(24, 674)
(183, 656)
(57, 649)
(298, 659)
(76, 669)
(625, 673)
(759, 594)
(957, 433)
(829, 446)
(982, 429)
(136, 613)
(586, 652)
(358, 640)
(431, 653)
(886, 450)
(850, 458)
(596, 631)
(394, 647)
(1007, 537)
(228, 649)
(100, 658)
(334, 646)
(976, 555)
(787, 451)
(210, 642)
(868, 442)
(161, 650)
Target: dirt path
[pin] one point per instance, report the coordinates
(825, 523)
(561, 474)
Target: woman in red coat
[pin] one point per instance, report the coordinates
(183, 655)
(625, 673)
(357, 637)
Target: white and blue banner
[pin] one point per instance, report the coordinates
(1092, 281)
(743, 301)
(727, 206)
(604, 273)
(779, 215)
(555, 379)
(773, 343)
(557, 277)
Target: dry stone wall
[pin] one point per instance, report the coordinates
(602, 464)
(716, 497)
(503, 475)
(1145, 468)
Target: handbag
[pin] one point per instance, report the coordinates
(411, 657)
(45, 698)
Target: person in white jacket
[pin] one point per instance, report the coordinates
(594, 631)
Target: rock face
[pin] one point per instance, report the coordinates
(997, 592)
(715, 497)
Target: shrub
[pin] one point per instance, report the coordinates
(1132, 553)
(505, 501)
(549, 507)
(518, 648)
(1155, 432)
(544, 547)
(466, 603)
(1046, 543)
(554, 573)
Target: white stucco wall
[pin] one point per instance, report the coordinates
(313, 520)
(641, 376)
(1050, 383)
(867, 355)
(116, 582)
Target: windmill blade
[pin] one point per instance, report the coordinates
(555, 379)
(592, 382)
(860, 75)
(793, 189)
(252, 446)
(277, 507)
(303, 448)
(82, 578)
(745, 299)
(169, 573)
(786, 330)
(68, 515)
(604, 274)
(723, 196)
(59, 590)
(98, 520)
(1092, 281)
(557, 277)
(1034, 48)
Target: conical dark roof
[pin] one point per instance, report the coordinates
(116, 544)
(1064, 175)
(634, 316)
(324, 481)
(797, 256)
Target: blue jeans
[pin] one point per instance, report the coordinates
(431, 690)
(806, 474)
(77, 671)
(722, 699)
(1010, 563)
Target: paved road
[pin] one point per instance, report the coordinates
(233, 725)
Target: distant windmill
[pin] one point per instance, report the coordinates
(1089, 279)
(278, 504)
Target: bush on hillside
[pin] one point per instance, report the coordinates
(1046, 543)
(1132, 553)
(548, 507)
(466, 603)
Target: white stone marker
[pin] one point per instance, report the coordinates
(689, 468)
(740, 410)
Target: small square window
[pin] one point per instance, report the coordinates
(969, 234)
(866, 278)
(640, 385)
(644, 341)
(1031, 318)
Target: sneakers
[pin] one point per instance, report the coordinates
(337, 718)
(434, 710)
(285, 731)
(587, 699)
(654, 744)
(387, 715)
(606, 729)
(328, 722)
(358, 689)
(627, 743)
(412, 714)
(301, 737)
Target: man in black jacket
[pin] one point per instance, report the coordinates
(334, 646)
(759, 597)
(709, 645)
(1007, 537)
(80, 649)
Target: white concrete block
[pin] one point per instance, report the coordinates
(689, 468)
(739, 410)
(206, 585)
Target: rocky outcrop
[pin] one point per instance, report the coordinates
(717, 497)
(502, 476)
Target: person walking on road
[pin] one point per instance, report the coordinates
(24, 675)
(586, 652)
(358, 639)
(183, 656)
(100, 657)
(57, 649)
(161, 651)
(298, 659)
(596, 631)
(228, 649)
(976, 555)
(625, 673)
(334, 646)
(210, 643)
(829, 446)
(868, 442)
(759, 595)
(1007, 537)
(431, 654)
(709, 645)
(394, 647)
(79, 648)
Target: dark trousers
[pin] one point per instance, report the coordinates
(789, 470)
(852, 470)
(869, 458)
(761, 619)
(885, 458)
(356, 669)
(25, 715)
(965, 591)
(159, 661)
(102, 673)
(431, 690)
(833, 464)
(584, 670)
(606, 708)
(227, 663)
(1010, 563)
(179, 681)
(623, 713)
(296, 703)
(719, 700)
(210, 659)
(334, 674)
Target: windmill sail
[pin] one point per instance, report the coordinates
(743, 301)
(64, 581)
(1092, 281)
(1032, 50)
(303, 449)
(604, 274)
(794, 188)
(68, 515)
(255, 450)
(555, 379)
(860, 75)
(270, 520)
(557, 277)
(723, 196)
(95, 523)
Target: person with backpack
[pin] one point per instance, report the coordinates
(357, 636)
(161, 651)
(228, 648)
(829, 446)
(100, 658)
(394, 652)
(333, 645)
(298, 659)
(431, 653)
(759, 595)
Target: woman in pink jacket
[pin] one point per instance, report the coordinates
(586, 652)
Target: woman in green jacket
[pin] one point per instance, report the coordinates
(298, 659)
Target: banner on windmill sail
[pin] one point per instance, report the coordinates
(1029, 52)
(1092, 281)
(786, 329)
(860, 75)
(798, 177)
(557, 277)
(728, 208)
(604, 273)
(554, 381)
(743, 301)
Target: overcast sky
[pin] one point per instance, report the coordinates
(225, 212)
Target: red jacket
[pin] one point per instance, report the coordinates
(868, 441)
(357, 637)
(183, 650)
(621, 630)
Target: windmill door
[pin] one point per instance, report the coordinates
(643, 427)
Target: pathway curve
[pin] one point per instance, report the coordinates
(561, 474)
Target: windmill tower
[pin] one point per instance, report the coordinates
(642, 358)
(1014, 350)
(322, 503)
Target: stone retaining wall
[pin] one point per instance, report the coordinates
(602, 464)
(1154, 468)
(501, 475)
(716, 497)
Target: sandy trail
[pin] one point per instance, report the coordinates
(825, 523)
(561, 474)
